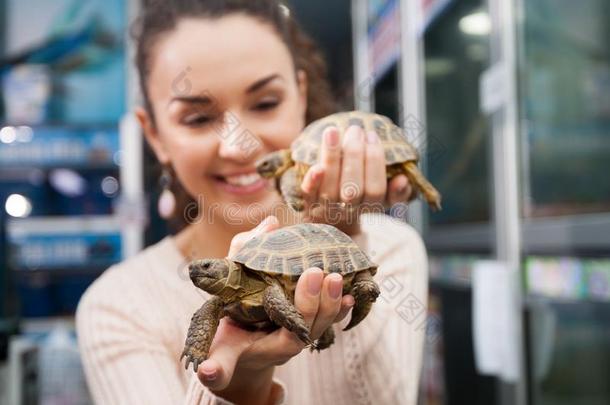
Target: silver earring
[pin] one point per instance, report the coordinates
(167, 201)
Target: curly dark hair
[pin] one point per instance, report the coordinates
(161, 16)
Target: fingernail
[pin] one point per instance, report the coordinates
(267, 221)
(209, 374)
(314, 282)
(354, 134)
(331, 137)
(350, 301)
(317, 171)
(209, 377)
(371, 137)
(336, 286)
(402, 187)
(318, 174)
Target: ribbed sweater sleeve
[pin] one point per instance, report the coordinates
(124, 361)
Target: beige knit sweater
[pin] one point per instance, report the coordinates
(132, 323)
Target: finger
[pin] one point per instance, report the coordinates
(352, 166)
(307, 294)
(229, 343)
(311, 183)
(375, 183)
(399, 190)
(268, 224)
(275, 348)
(216, 373)
(347, 302)
(330, 159)
(330, 304)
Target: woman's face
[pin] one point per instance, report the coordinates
(224, 93)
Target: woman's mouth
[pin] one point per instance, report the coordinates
(245, 183)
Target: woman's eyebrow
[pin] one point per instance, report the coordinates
(262, 82)
(192, 99)
(203, 99)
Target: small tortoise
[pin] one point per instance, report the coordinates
(256, 287)
(289, 166)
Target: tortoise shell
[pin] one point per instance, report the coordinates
(291, 250)
(306, 147)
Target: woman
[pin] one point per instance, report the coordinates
(224, 83)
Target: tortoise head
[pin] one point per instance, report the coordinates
(210, 275)
(274, 164)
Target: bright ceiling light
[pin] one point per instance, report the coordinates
(110, 186)
(18, 206)
(24, 134)
(68, 182)
(8, 135)
(475, 24)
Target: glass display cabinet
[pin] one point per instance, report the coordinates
(563, 84)
(516, 96)
(564, 125)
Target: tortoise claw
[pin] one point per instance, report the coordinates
(190, 359)
(304, 337)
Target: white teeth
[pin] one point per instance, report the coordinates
(243, 180)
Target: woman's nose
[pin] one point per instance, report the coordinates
(237, 141)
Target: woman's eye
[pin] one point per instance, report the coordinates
(196, 120)
(266, 105)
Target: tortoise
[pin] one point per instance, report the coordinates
(288, 166)
(256, 287)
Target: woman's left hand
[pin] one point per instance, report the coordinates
(350, 179)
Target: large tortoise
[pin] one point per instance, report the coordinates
(289, 166)
(256, 287)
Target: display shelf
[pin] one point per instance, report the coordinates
(40, 326)
(59, 146)
(567, 279)
(64, 243)
(453, 270)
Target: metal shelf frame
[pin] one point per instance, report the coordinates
(132, 164)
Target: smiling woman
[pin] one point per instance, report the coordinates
(266, 97)
(226, 82)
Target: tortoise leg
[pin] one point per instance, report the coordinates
(201, 332)
(290, 188)
(431, 194)
(365, 291)
(281, 311)
(325, 341)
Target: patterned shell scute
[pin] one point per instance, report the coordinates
(305, 149)
(292, 250)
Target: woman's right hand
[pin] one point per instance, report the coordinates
(241, 363)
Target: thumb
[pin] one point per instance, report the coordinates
(268, 224)
(217, 372)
